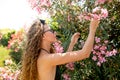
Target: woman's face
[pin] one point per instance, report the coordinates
(49, 34)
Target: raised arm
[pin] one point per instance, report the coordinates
(73, 41)
(62, 58)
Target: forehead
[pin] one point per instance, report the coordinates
(46, 27)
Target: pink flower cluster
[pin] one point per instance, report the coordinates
(97, 10)
(70, 66)
(97, 13)
(66, 76)
(100, 51)
(40, 5)
(16, 41)
(7, 72)
(58, 48)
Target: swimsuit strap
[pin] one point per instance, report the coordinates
(45, 50)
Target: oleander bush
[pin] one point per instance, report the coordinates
(16, 44)
(70, 16)
(5, 38)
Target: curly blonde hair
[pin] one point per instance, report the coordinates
(32, 50)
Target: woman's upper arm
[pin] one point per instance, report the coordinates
(62, 58)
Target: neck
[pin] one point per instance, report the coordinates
(46, 45)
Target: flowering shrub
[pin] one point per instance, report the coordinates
(16, 44)
(72, 16)
(10, 71)
(4, 38)
(40, 5)
(69, 17)
(66, 76)
(100, 51)
(97, 13)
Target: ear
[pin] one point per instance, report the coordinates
(44, 36)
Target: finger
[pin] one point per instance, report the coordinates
(77, 33)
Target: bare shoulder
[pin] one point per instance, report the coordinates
(43, 59)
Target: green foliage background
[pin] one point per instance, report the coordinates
(108, 29)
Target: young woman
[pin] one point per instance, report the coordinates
(39, 60)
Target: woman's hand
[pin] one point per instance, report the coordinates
(75, 38)
(94, 24)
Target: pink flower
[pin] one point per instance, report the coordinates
(103, 48)
(94, 58)
(95, 16)
(16, 75)
(114, 52)
(98, 53)
(106, 41)
(104, 13)
(38, 9)
(101, 59)
(108, 54)
(98, 63)
(102, 52)
(94, 52)
(87, 17)
(70, 66)
(66, 76)
(40, 5)
(9, 45)
(99, 13)
(58, 47)
(96, 10)
(96, 47)
(97, 39)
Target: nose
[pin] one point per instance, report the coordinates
(55, 33)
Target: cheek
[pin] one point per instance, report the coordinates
(51, 37)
